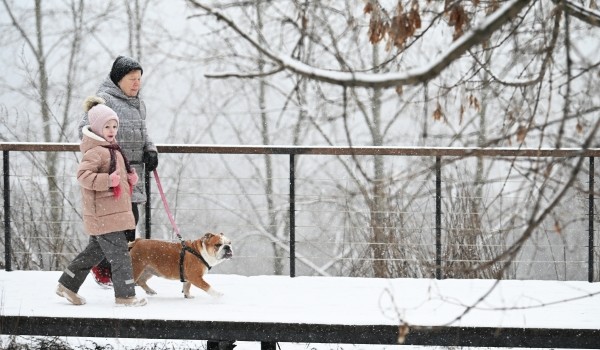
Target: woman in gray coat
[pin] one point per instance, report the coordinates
(120, 89)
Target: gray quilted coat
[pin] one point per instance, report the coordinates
(132, 136)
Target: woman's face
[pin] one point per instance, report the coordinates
(130, 84)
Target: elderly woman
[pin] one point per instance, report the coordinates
(120, 89)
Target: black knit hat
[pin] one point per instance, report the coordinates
(122, 66)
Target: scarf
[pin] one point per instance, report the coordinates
(113, 148)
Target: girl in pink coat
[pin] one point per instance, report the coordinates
(106, 181)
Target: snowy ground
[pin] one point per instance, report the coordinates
(335, 300)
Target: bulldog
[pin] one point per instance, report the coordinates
(187, 261)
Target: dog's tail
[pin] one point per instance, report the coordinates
(132, 243)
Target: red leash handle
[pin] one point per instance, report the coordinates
(164, 200)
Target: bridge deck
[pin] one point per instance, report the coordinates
(270, 309)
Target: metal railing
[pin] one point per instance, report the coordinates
(438, 153)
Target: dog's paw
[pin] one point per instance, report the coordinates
(150, 292)
(188, 296)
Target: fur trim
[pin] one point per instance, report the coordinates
(92, 101)
(87, 131)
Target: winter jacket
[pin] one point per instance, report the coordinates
(132, 137)
(103, 212)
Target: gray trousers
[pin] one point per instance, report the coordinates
(113, 247)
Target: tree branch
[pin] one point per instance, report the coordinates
(588, 16)
(224, 75)
(384, 80)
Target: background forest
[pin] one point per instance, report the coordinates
(470, 73)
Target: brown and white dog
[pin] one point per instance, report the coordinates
(174, 260)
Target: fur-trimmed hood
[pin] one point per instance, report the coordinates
(91, 140)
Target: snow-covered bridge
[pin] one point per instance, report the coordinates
(270, 309)
(304, 308)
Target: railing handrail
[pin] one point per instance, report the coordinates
(328, 150)
(292, 151)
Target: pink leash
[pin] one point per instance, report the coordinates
(184, 248)
(164, 200)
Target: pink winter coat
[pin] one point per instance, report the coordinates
(103, 212)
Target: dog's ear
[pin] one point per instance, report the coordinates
(207, 236)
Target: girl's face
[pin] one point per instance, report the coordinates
(109, 131)
(131, 83)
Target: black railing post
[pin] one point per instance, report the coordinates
(268, 345)
(438, 217)
(7, 246)
(591, 222)
(147, 205)
(292, 216)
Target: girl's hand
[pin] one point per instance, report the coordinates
(114, 179)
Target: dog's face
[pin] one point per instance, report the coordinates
(218, 247)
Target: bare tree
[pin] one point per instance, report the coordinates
(452, 73)
(497, 64)
(53, 123)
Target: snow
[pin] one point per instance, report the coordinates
(324, 300)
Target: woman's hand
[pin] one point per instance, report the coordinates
(150, 158)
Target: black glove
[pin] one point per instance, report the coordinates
(151, 160)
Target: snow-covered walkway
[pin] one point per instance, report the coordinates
(325, 300)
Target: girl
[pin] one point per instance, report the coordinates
(106, 181)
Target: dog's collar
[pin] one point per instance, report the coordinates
(185, 248)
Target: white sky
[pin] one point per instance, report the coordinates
(327, 300)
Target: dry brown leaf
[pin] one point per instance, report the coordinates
(400, 30)
(521, 133)
(511, 116)
(304, 22)
(474, 103)
(557, 227)
(403, 25)
(414, 15)
(457, 18)
(579, 128)
(399, 89)
(593, 5)
(438, 114)
(415, 19)
(377, 29)
(548, 170)
(461, 113)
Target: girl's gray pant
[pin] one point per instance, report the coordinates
(113, 246)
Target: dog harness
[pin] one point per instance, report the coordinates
(185, 248)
